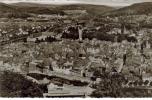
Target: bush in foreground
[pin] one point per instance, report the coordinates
(16, 85)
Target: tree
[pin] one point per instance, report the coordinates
(110, 86)
(16, 85)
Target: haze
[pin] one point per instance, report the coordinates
(98, 2)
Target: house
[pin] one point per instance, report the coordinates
(147, 76)
(93, 50)
(36, 66)
(67, 21)
(75, 12)
(46, 69)
(25, 67)
(82, 52)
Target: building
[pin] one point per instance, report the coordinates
(38, 66)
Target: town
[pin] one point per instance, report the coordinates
(76, 55)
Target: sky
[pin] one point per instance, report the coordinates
(99, 2)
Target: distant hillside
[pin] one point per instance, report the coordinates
(26, 4)
(24, 10)
(4, 8)
(91, 9)
(40, 10)
(9, 11)
(135, 9)
(18, 9)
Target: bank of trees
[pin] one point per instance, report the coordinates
(15, 85)
(110, 86)
(72, 33)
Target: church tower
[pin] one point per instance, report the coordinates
(80, 30)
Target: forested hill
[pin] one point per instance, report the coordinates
(135, 9)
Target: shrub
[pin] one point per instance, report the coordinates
(146, 82)
(110, 86)
(16, 85)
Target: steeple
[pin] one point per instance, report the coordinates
(123, 29)
(80, 30)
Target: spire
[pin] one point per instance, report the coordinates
(80, 30)
(123, 29)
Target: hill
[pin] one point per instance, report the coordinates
(6, 8)
(25, 9)
(135, 9)
(10, 11)
(91, 9)
(26, 4)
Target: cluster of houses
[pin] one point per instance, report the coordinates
(16, 32)
(81, 56)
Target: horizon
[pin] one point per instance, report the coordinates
(94, 2)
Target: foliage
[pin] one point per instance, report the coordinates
(135, 9)
(17, 15)
(72, 33)
(110, 86)
(15, 85)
